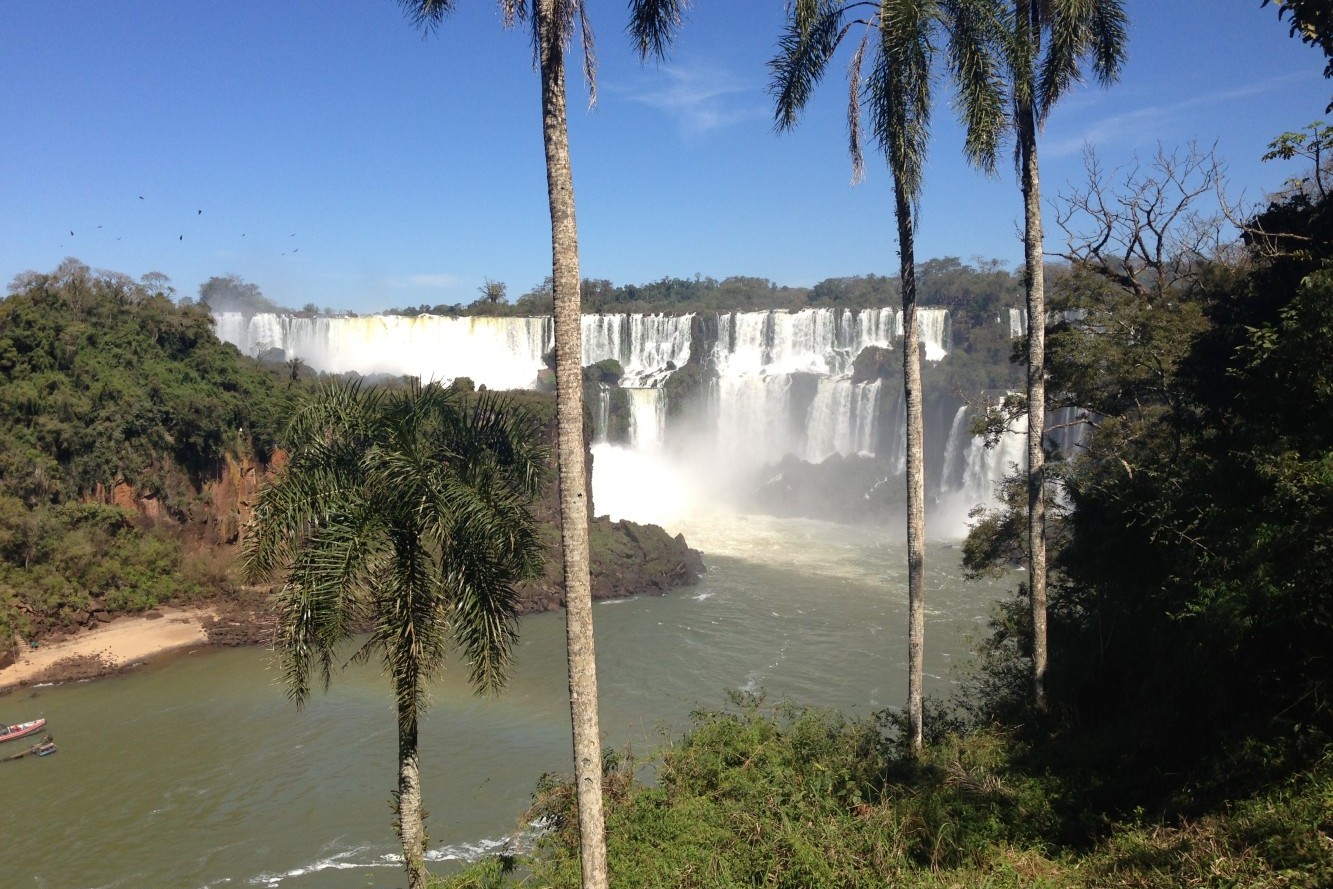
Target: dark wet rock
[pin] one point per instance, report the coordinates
(874, 363)
(627, 559)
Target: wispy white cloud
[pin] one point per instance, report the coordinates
(419, 282)
(1118, 128)
(699, 98)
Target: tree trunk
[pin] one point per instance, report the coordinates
(574, 506)
(411, 822)
(916, 480)
(1035, 282)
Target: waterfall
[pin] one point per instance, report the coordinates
(950, 472)
(898, 437)
(817, 341)
(777, 383)
(843, 419)
(753, 413)
(644, 345)
(757, 356)
(647, 419)
(501, 353)
(986, 467)
(601, 421)
(972, 472)
(1068, 429)
(1018, 323)
(934, 325)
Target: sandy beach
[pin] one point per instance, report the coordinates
(109, 648)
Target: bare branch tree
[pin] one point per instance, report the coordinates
(1141, 225)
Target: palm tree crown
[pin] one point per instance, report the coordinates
(403, 516)
(900, 39)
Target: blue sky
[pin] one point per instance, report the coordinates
(328, 153)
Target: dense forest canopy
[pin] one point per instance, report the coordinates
(1190, 608)
(107, 380)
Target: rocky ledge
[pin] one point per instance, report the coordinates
(627, 558)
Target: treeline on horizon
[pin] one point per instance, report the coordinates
(938, 281)
(978, 287)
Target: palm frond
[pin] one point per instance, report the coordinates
(480, 581)
(854, 80)
(1110, 35)
(1022, 46)
(322, 603)
(513, 437)
(589, 47)
(653, 25)
(804, 50)
(899, 89)
(1069, 37)
(406, 511)
(512, 12)
(288, 511)
(976, 61)
(427, 15)
(411, 629)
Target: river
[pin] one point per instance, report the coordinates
(196, 771)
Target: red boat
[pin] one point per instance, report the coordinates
(22, 730)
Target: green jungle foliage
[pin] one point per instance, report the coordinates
(793, 797)
(104, 379)
(1191, 604)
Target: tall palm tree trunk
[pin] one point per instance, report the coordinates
(411, 825)
(574, 505)
(1034, 279)
(916, 483)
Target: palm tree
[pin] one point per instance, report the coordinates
(406, 515)
(900, 37)
(1048, 41)
(652, 24)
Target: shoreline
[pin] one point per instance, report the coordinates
(111, 648)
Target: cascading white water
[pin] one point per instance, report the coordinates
(783, 379)
(647, 348)
(501, 353)
(934, 332)
(985, 467)
(816, 341)
(951, 472)
(647, 423)
(973, 472)
(757, 353)
(843, 419)
(1018, 323)
(601, 414)
(898, 441)
(752, 421)
(644, 345)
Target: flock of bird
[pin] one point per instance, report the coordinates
(181, 237)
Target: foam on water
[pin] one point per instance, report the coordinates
(363, 857)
